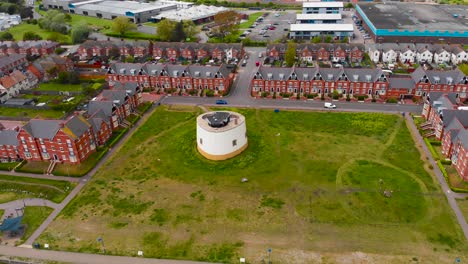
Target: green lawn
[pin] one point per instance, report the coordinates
(251, 20)
(59, 87)
(33, 113)
(15, 188)
(320, 186)
(463, 207)
(92, 21)
(18, 31)
(8, 166)
(79, 169)
(33, 218)
(151, 24)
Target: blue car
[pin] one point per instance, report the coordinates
(221, 102)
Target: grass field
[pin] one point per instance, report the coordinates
(18, 32)
(322, 187)
(463, 207)
(59, 87)
(15, 188)
(33, 113)
(33, 218)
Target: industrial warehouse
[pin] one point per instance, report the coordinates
(137, 12)
(417, 23)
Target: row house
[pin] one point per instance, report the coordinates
(160, 50)
(115, 105)
(319, 52)
(427, 81)
(71, 140)
(447, 120)
(197, 51)
(168, 76)
(32, 47)
(11, 62)
(91, 48)
(419, 53)
(12, 84)
(352, 82)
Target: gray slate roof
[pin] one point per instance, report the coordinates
(104, 106)
(396, 83)
(39, 128)
(9, 137)
(77, 126)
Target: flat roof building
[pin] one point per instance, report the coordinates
(198, 14)
(410, 22)
(318, 18)
(322, 7)
(138, 12)
(308, 31)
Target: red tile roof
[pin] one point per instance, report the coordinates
(7, 82)
(35, 71)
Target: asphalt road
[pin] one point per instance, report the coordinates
(240, 96)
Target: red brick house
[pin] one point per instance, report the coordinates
(449, 123)
(368, 82)
(168, 76)
(319, 52)
(13, 61)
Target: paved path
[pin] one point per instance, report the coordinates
(83, 258)
(440, 177)
(41, 176)
(11, 207)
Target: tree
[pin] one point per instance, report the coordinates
(54, 21)
(190, 29)
(226, 23)
(122, 25)
(63, 77)
(290, 54)
(316, 39)
(74, 77)
(6, 36)
(165, 29)
(80, 32)
(328, 39)
(178, 34)
(31, 36)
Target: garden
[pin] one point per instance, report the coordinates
(320, 185)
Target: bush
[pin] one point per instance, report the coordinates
(444, 172)
(322, 97)
(435, 142)
(446, 162)
(274, 95)
(361, 98)
(118, 137)
(311, 96)
(373, 100)
(431, 149)
(392, 100)
(264, 94)
(348, 98)
(209, 93)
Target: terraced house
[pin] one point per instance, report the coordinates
(168, 76)
(354, 82)
(29, 47)
(319, 52)
(160, 50)
(447, 120)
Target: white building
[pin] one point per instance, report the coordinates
(221, 135)
(308, 31)
(442, 56)
(7, 21)
(319, 18)
(423, 54)
(322, 7)
(389, 56)
(459, 55)
(407, 55)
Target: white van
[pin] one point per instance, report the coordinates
(330, 105)
(387, 72)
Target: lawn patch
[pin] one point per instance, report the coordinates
(313, 182)
(33, 218)
(51, 86)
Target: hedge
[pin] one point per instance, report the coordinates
(444, 172)
(431, 149)
(435, 142)
(118, 137)
(446, 162)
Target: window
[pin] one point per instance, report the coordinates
(234, 142)
(61, 149)
(28, 155)
(201, 141)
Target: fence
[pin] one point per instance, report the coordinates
(36, 92)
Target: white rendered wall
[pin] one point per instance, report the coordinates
(221, 143)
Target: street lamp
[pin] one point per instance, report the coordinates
(101, 240)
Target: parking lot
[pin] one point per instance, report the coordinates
(274, 26)
(359, 33)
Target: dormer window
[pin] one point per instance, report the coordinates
(270, 76)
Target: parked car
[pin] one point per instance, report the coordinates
(221, 102)
(276, 23)
(257, 63)
(329, 105)
(260, 55)
(272, 28)
(244, 62)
